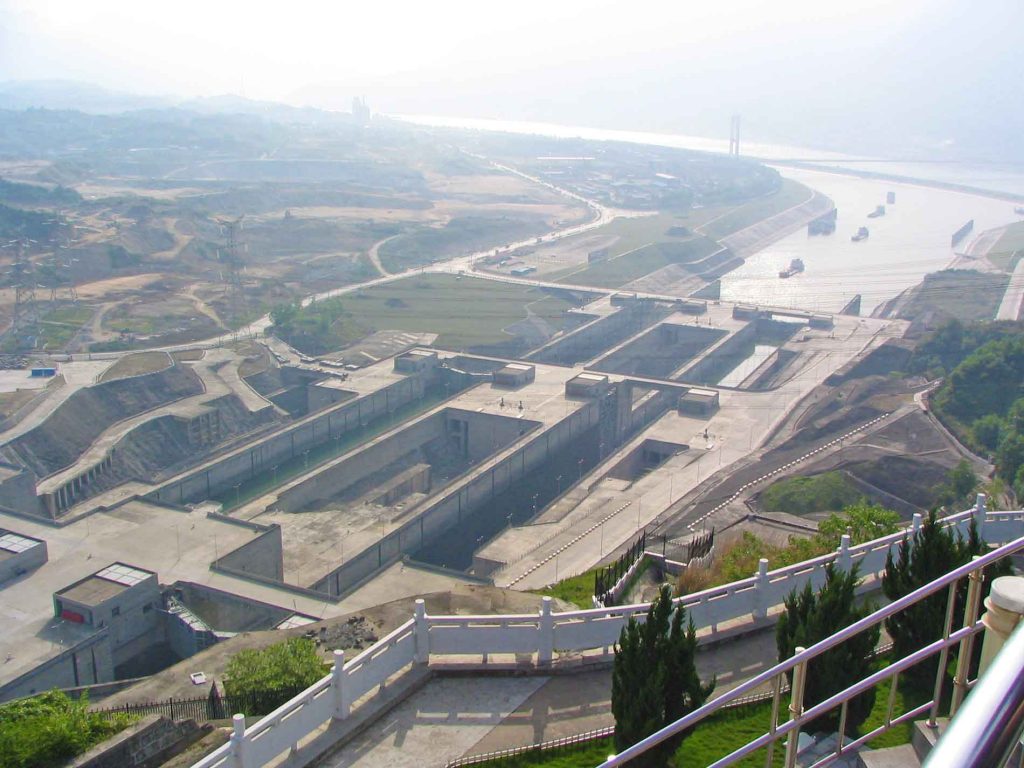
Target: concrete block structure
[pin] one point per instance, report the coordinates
(745, 312)
(19, 554)
(515, 375)
(587, 385)
(416, 361)
(120, 598)
(697, 401)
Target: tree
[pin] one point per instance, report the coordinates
(960, 485)
(865, 522)
(933, 551)
(264, 679)
(986, 431)
(810, 617)
(654, 678)
(1010, 456)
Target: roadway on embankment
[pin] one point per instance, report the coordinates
(1013, 299)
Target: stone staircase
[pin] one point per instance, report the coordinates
(906, 755)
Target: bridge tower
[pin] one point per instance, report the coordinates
(734, 136)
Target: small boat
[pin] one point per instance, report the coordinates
(879, 211)
(796, 266)
(862, 234)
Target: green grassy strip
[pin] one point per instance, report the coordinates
(725, 732)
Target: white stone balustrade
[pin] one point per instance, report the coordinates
(475, 640)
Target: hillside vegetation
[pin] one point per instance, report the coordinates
(982, 397)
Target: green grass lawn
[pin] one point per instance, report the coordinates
(459, 237)
(466, 312)
(56, 328)
(789, 194)
(827, 492)
(726, 732)
(577, 590)
(633, 265)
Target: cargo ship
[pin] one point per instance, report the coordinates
(862, 234)
(796, 266)
(879, 211)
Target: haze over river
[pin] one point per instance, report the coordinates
(911, 240)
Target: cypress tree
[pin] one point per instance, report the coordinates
(811, 617)
(654, 678)
(932, 552)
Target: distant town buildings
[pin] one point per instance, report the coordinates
(360, 111)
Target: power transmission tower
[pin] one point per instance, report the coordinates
(25, 317)
(233, 266)
(61, 280)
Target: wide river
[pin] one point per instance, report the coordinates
(911, 240)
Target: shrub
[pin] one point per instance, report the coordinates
(929, 554)
(810, 617)
(49, 729)
(266, 678)
(654, 678)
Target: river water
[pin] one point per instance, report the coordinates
(911, 240)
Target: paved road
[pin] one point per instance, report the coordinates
(1010, 307)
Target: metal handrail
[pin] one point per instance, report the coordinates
(989, 725)
(801, 658)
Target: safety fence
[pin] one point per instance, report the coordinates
(608, 581)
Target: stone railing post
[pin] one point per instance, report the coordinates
(980, 514)
(761, 590)
(237, 741)
(844, 560)
(421, 632)
(545, 633)
(916, 523)
(1004, 608)
(341, 705)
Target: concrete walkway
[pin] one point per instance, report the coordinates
(436, 724)
(470, 715)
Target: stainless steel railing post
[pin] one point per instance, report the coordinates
(796, 707)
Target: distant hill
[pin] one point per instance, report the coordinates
(70, 94)
(93, 99)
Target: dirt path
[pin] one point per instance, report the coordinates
(375, 256)
(203, 308)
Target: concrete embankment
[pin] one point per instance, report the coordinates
(751, 239)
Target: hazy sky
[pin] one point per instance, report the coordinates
(795, 69)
